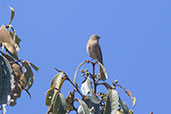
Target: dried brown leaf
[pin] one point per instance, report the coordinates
(130, 95)
(17, 70)
(12, 14)
(7, 41)
(133, 100)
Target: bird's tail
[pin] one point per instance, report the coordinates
(102, 74)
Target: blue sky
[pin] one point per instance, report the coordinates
(135, 42)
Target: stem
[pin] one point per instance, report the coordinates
(93, 77)
(67, 78)
(73, 85)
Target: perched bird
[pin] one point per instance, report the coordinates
(94, 51)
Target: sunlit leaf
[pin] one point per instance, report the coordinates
(17, 39)
(112, 102)
(50, 109)
(14, 55)
(6, 40)
(4, 110)
(58, 80)
(85, 87)
(83, 108)
(59, 104)
(14, 36)
(12, 14)
(119, 112)
(131, 112)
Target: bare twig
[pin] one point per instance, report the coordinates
(93, 77)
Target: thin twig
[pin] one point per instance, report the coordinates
(67, 78)
(93, 77)
(73, 85)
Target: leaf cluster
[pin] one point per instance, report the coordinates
(92, 101)
(15, 75)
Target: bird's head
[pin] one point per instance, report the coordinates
(95, 37)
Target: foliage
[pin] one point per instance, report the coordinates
(92, 101)
(15, 75)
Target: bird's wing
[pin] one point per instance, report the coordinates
(98, 52)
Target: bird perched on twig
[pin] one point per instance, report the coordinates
(94, 51)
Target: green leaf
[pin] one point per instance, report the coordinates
(49, 97)
(30, 82)
(70, 101)
(93, 103)
(1, 73)
(85, 87)
(112, 102)
(131, 112)
(124, 107)
(93, 98)
(9, 58)
(83, 108)
(27, 74)
(57, 80)
(59, 104)
(7, 80)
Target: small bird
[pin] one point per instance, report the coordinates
(94, 51)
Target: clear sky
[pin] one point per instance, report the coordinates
(135, 41)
